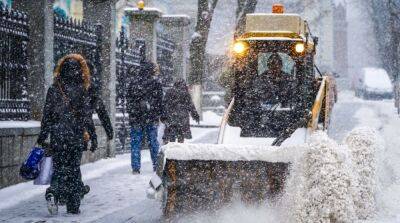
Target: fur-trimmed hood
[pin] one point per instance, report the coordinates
(84, 67)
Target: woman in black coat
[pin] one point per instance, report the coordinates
(67, 120)
(178, 106)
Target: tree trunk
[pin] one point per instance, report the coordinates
(198, 47)
(394, 39)
(244, 7)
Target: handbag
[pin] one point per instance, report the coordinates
(160, 133)
(30, 168)
(46, 172)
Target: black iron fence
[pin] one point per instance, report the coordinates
(128, 61)
(165, 51)
(14, 36)
(128, 57)
(72, 36)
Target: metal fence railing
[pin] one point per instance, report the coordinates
(128, 57)
(14, 37)
(165, 51)
(72, 36)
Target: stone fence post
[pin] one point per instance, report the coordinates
(103, 12)
(177, 26)
(143, 26)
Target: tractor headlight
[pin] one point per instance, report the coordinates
(240, 47)
(299, 48)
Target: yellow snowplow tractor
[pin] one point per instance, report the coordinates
(277, 98)
(275, 85)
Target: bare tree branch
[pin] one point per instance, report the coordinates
(244, 7)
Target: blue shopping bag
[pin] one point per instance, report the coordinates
(30, 168)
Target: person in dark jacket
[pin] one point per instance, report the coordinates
(178, 106)
(274, 85)
(67, 120)
(144, 105)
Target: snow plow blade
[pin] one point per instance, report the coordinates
(207, 177)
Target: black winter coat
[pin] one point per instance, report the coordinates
(61, 123)
(66, 116)
(144, 97)
(178, 108)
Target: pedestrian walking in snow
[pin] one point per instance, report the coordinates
(178, 107)
(67, 120)
(144, 105)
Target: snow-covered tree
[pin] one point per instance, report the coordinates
(385, 15)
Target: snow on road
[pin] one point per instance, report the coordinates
(119, 196)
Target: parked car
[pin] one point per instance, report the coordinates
(374, 83)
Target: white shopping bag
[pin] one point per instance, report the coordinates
(160, 133)
(46, 172)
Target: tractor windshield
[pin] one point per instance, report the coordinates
(267, 91)
(288, 64)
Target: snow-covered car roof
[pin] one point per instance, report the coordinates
(377, 78)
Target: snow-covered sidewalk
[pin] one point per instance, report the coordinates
(113, 189)
(116, 195)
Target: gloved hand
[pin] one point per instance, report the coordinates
(48, 150)
(196, 117)
(94, 145)
(163, 119)
(40, 141)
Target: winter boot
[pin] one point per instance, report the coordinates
(74, 211)
(135, 172)
(52, 204)
(85, 190)
(73, 203)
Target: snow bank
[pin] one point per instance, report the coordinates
(319, 189)
(334, 183)
(364, 144)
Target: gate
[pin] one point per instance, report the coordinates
(14, 37)
(72, 36)
(128, 59)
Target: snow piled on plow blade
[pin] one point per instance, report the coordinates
(334, 183)
(328, 182)
(177, 151)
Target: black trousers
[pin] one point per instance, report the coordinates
(66, 183)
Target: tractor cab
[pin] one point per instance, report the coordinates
(273, 70)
